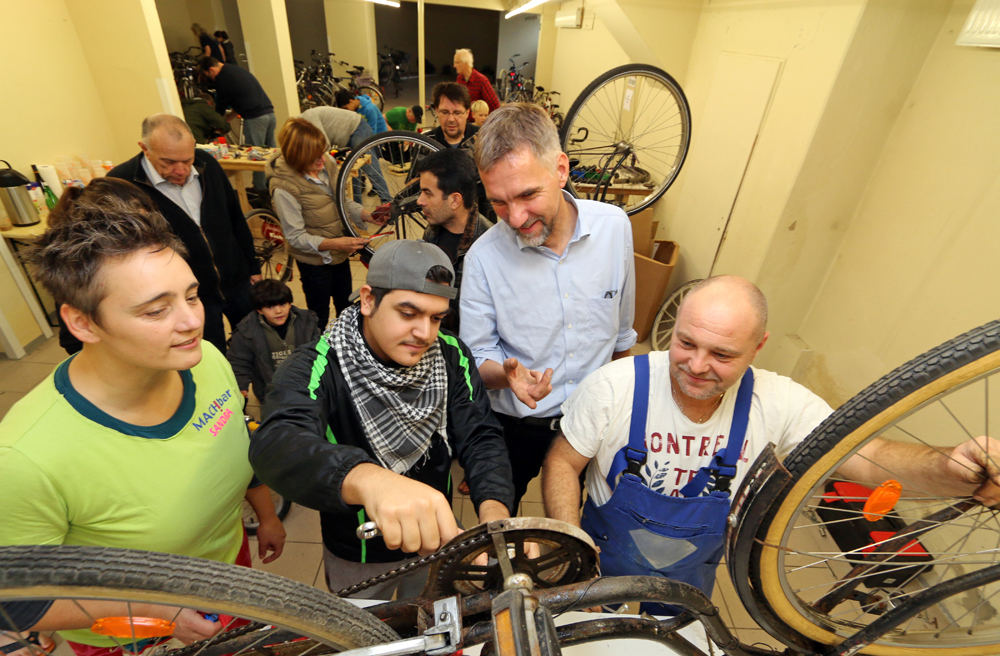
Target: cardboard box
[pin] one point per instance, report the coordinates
(642, 232)
(652, 277)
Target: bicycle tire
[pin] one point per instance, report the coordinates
(250, 521)
(374, 94)
(269, 245)
(915, 398)
(660, 107)
(666, 317)
(397, 151)
(96, 573)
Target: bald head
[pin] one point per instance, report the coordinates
(734, 300)
(164, 125)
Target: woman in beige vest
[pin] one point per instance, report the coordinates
(301, 180)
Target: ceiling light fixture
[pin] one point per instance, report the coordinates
(531, 4)
(391, 3)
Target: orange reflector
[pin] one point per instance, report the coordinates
(882, 500)
(503, 629)
(138, 627)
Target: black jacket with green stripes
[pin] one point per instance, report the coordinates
(311, 437)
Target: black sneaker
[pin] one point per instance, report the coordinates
(372, 192)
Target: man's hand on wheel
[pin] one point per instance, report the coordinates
(978, 461)
(528, 386)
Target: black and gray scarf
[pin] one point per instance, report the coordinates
(401, 408)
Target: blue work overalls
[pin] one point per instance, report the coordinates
(643, 532)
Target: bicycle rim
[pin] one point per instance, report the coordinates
(942, 398)
(269, 245)
(298, 620)
(633, 115)
(666, 317)
(394, 153)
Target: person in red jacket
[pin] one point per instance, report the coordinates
(478, 85)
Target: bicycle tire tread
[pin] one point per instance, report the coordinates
(883, 394)
(104, 567)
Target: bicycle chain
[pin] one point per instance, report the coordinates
(195, 647)
(471, 543)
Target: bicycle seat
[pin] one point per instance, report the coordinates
(540, 88)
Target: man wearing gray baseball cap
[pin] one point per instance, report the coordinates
(363, 424)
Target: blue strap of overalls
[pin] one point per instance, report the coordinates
(636, 448)
(724, 462)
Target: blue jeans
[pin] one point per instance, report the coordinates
(373, 169)
(260, 132)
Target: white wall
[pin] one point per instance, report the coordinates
(917, 265)
(519, 35)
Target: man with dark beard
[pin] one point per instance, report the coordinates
(364, 424)
(547, 293)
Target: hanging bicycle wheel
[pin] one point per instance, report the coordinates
(379, 177)
(633, 116)
(666, 318)
(261, 613)
(250, 521)
(374, 94)
(814, 568)
(269, 245)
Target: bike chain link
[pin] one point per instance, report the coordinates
(416, 564)
(195, 647)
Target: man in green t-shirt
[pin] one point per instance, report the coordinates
(404, 118)
(138, 440)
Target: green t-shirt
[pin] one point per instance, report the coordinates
(71, 474)
(396, 118)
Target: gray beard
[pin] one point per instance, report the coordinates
(538, 239)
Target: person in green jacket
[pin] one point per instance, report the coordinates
(404, 118)
(201, 117)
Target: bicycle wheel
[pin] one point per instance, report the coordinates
(503, 88)
(633, 115)
(250, 521)
(374, 94)
(269, 245)
(941, 398)
(296, 619)
(390, 172)
(666, 317)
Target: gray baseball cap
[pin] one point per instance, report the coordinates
(404, 263)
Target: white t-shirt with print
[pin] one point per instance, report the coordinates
(598, 414)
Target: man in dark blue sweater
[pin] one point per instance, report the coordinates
(237, 88)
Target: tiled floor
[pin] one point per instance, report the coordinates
(302, 559)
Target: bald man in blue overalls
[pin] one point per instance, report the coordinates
(668, 436)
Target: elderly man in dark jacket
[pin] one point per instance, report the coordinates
(192, 191)
(364, 424)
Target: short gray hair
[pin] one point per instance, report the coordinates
(514, 127)
(464, 54)
(175, 127)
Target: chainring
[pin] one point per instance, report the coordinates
(568, 555)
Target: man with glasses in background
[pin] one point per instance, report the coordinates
(451, 102)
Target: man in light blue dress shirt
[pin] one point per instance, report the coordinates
(548, 294)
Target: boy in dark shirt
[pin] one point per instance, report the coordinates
(265, 338)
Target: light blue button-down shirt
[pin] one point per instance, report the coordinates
(186, 197)
(568, 312)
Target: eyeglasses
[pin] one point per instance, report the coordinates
(447, 113)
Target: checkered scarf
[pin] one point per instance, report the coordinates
(400, 407)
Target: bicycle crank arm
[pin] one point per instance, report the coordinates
(442, 639)
(401, 647)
